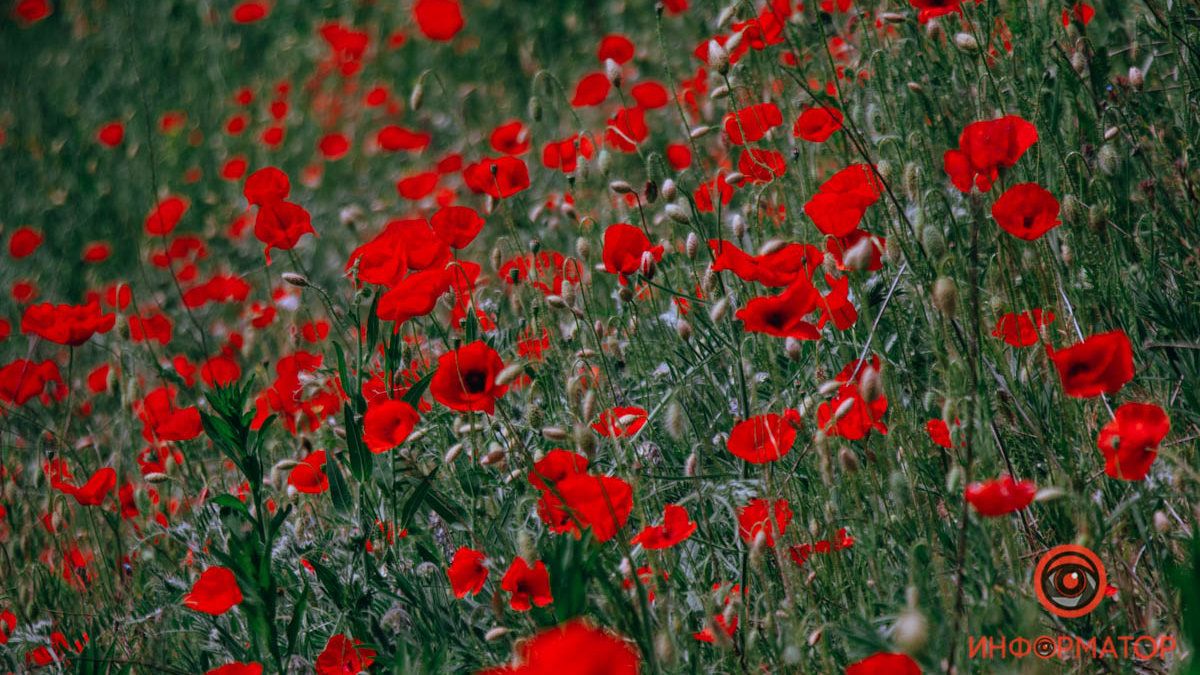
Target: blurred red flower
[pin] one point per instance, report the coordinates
(1000, 496)
(1129, 441)
(215, 592)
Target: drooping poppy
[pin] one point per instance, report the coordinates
(1130, 440)
(308, 476)
(416, 295)
(1101, 364)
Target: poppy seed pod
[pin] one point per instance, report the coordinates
(934, 241)
(700, 132)
(1107, 159)
(945, 296)
(912, 180)
(691, 245)
(737, 225)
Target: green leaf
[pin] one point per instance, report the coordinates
(361, 459)
(339, 491)
(293, 629)
(230, 503)
(329, 581)
(414, 500)
(417, 390)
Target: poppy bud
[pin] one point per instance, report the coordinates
(718, 310)
(510, 373)
(684, 330)
(699, 132)
(417, 96)
(297, 280)
(891, 17)
(557, 302)
(554, 433)
(885, 168)
(678, 214)
(734, 177)
(650, 192)
(791, 347)
(910, 632)
(664, 646)
(156, 477)
(718, 58)
(648, 265)
(1079, 61)
(604, 162)
(1107, 159)
(859, 256)
(1161, 523)
(534, 416)
(585, 442)
(621, 187)
(691, 465)
(612, 70)
(848, 460)
(674, 421)
(870, 384)
(934, 30)
(668, 189)
(495, 634)
(737, 225)
(719, 92)
(625, 294)
(916, 88)
(535, 108)
(493, 457)
(945, 296)
(1096, 217)
(966, 42)
(453, 453)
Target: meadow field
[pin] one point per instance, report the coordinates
(599, 336)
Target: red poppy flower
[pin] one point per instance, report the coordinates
(393, 139)
(816, 125)
(344, 656)
(163, 421)
(416, 295)
(626, 129)
(1000, 496)
(308, 476)
(21, 381)
(24, 241)
(679, 155)
(70, 325)
(839, 247)
(93, 492)
(616, 47)
(563, 155)
(1101, 364)
(840, 203)
(650, 95)
(529, 586)
(705, 192)
(333, 146)
(237, 668)
(438, 20)
(939, 433)
(498, 178)
(783, 315)
(466, 378)
(835, 306)
(761, 166)
(752, 123)
(215, 592)
(624, 246)
(1129, 441)
(761, 515)
(777, 268)
(1022, 330)
(986, 147)
(572, 647)
(96, 252)
(387, 424)
(31, 11)
(885, 663)
(610, 423)
(511, 138)
(250, 12)
(850, 416)
(457, 225)
(764, 438)
(163, 218)
(591, 90)
(675, 528)
(555, 467)
(466, 572)
(602, 503)
(1026, 211)
(111, 134)
(1081, 12)
(8, 623)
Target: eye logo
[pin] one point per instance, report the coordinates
(1070, 581)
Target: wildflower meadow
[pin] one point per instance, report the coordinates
(599, 337)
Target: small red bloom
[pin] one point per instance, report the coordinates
(1026, 211)
(24, 241)
(333, 146)
(511, 138)
(111, 134)
(675, 528)
(939, 433)
(1130, 440)
(752, 123)
(162, 420)
(885, 663)
(761, 515)
(466, 378)
(555, 467)
(344, 656)
(1101, 364)
(163, 218)
(237, 668)
(387, 424)
(215, 592)
(601, 503)
(592, 89)
(624, 246)
(466, 572)
(529, 586)
(250, 11)
(761, 166)
(1022, 330)
(764, 438)
(840, 203)
(986, 147)
(499, 177)
(1000, 496)
(438, 20)
(610, 423)
(816, 125)
(308, 476)
(393, 138)
(616, 47)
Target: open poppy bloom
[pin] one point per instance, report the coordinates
(555, 467)
(885, 663)
(783, 315)
(1026, 211)
(70, 325)
(163, 420)
(215, 592)
(1101, 364)
(165, 215)
(237, 668)
(457, 225)
(591, 90)
(413, 296)
(816, 125)
(93, 492)
(840, 203)
(387, 424)
(570, 647)
(1000, 496)
(761, 166)
(939, 433)
(1130, 440)
(21, 381)
(752, 123)
(466, 378)
(438, 20)
(308, 476)
(764, 438)
(986, 147)
(466, 572)
(499, 177)
(676, 527)
(280, 224)
(761, 515)
(343, 655)
(777, 268)
(1024, 329)
(528, 586)
(599, 503)
(620, 421)
(624, 246)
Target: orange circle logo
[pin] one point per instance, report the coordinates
(1070, 581)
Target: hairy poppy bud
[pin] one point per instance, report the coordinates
(535, 108)
(612, 70)
(684, 330)
(910, 632)
(934, 241)
(734, 177)
(945, 296)
(719, 92)
(495, 634)
(916, 88)
(691, 245)
(718, 310)
(1107, 159)
(791, 347)
(583, 248)
(892, 17)
(966, 42)
(678, 214)
(675, 421)
(604, 162)
(718, 58)
(510, 373)
(452, 454)
(1136, 77)
(1161, 523)
(156, 477)
(297, 280)
(737, 225)
(621, 187)
(848, 460)
(417, 96)
(700, 132)
(668, 189)
(690, 466)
